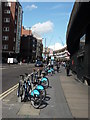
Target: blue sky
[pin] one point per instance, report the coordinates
(50, 18)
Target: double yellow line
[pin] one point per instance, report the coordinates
(3, 95)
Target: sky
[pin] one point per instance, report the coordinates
(49, 20)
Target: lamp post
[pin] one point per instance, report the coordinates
(28, 46)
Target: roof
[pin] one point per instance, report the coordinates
(25, 31)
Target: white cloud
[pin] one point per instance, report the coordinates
(57, 46)
(42, 28)
(31, 7)
(57, 6)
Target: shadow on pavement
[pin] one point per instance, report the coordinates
(50, 87)
(47, 98)
(44, 102)
(43, 105)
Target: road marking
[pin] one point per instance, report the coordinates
(2, 68)
(3, 95)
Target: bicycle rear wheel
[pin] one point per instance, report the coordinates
(36, 101)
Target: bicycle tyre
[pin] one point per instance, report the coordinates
(34, 100)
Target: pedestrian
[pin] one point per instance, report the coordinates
(67, 67)
(52, 64)
(49, 65)
(58, 66)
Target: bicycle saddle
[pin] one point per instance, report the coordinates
(26, 74)
(38, 77)
(22, 76)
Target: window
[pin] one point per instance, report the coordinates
(15, 22)
(33, 45)
(33, 40)
(6, 29)
(5, 38)
(16, 7)
(16, 14)
(13, 48)
(6, 20)
(14, 30)
(7, 4)
(14, 39)
(7, 11)
(5, 47)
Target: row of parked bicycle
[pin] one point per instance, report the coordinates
(33, 86)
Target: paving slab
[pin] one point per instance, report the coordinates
(79, 113)
(28, 109)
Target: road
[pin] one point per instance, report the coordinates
(10, 74)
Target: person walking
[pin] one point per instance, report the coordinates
(58, 66)
(67, 67)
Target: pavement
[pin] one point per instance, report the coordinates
(76, 94)
(66, 98)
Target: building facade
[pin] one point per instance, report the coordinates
(78, 40)
(28, 48)
(31, 46)
(11, 28)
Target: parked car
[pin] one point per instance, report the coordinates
(38, 64)
(12, 61)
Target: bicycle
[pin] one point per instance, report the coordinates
(25, 92)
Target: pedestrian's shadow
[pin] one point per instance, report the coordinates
(69, 75)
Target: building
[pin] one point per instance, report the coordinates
(28, 48)
(62, 54)
(31, 46)
(25, 31)
(11, 29)
(39, 49)
(78, 40)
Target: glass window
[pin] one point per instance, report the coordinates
(7, 4)
(6, 29)
(7, 11)
(5, 38)
(5, 47)
(6, 20)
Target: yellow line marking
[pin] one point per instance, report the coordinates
(8, 92)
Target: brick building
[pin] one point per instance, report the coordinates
(11, 29)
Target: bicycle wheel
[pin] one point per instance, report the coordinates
(23, 96)
(36, 101)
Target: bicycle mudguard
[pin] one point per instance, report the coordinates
(49, 71)
(40, 87)
(43, 79)
(35, 92)
(52, 69)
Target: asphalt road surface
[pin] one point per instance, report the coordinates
(10, 74)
